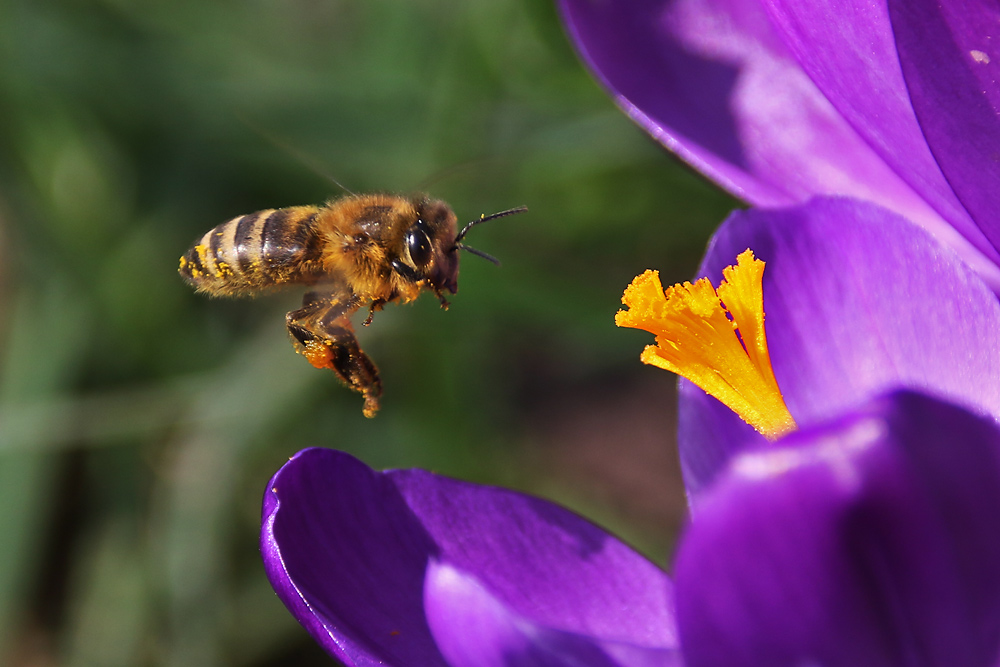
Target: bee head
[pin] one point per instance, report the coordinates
(432, 244)
(427, 247)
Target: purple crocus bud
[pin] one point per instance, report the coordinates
(895, 101)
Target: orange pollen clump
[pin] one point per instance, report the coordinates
(318, 354)
(714, 338)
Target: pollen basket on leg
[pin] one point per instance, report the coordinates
(713, 338)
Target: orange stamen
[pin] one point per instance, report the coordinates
(714, 338)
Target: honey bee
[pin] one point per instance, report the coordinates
(351, 252)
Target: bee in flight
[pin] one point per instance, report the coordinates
(359, 250)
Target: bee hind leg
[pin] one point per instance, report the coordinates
(322, 333)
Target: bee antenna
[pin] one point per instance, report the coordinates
(484, 218)
(478, 253)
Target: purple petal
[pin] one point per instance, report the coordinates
(347, 549)
(712, 81)
(847, 49)
(857, 302)
(950, 55)
(869, 541)
(543, 561)
(346, 556)
(709, 434)
(475, 629)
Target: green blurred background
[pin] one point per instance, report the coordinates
(139, 422)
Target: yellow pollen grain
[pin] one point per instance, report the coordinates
(698, 331)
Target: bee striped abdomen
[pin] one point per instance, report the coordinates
(255, 251)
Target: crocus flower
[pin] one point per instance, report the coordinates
(893, 101)
(866, 536)
(858, 302)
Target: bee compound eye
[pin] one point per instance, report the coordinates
(418, 245)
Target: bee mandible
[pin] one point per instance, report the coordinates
(359, 250)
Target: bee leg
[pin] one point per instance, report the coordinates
(323, 334)
(300, 322)
(444, 301)
(353, 366)
(376, 306)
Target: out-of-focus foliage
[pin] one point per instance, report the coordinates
(139, 422)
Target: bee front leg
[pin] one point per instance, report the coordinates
(323, 334)
(375, 307)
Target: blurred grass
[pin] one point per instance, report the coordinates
(139, 422)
